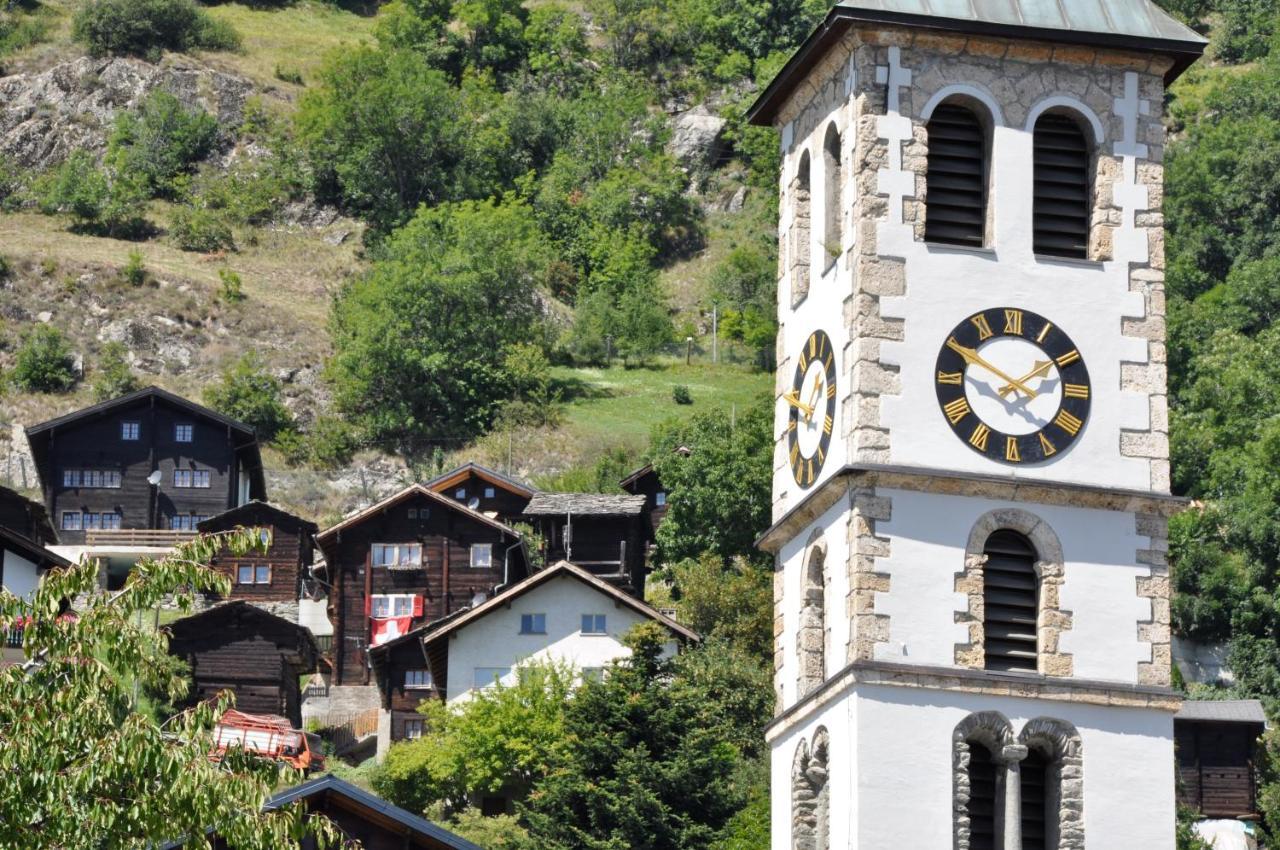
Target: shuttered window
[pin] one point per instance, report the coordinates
(1061, 188)
(1035, 824)
(1010, 596)
(956, 210)
(981, 808)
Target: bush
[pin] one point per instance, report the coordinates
(6, 268)
(134, 271)
(247, 393)
(148, 27)
(289, 75)
(44, 363)
(13, 180)
(113, 377)
(680, 394)
(198, 229)
(232, 291)
(161, 141)
(98, 200)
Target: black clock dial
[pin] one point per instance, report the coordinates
(812, 404)
(1013, 386)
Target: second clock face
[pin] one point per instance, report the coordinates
(1013, 386)
(812, 399)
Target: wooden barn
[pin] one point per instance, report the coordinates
(410, 559)
(239, 647)
(361, 817)
(274, 576)
(485, 490)
(604, 534)
(1217, 743)
(95, 464)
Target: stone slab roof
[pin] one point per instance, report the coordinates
(599, 504)
(1223, 711)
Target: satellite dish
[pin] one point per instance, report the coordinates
(473, 503)
(154, 478)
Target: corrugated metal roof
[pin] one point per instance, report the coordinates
(1136, 18)
(1225, 711)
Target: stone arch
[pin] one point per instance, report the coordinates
(1066, 103)
(1060, 744)
(832, 197)
(960, 120)
(1052, 621)
(965, 92)
(811, 794)
(811, 635)
(992, 730)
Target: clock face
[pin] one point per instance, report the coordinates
(1013, 386)
(812, 401)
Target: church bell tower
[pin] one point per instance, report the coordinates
(971, 475)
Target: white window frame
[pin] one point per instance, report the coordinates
(595, 624)
(181, 428)
(489, 492)
(402, 554)
(182, 478)
(487, 550)
(201, 479)
(533, 621)
(416, 680)
(393, 603)
(413, 728)
(240, 571)
(130, 430)
(112, 521)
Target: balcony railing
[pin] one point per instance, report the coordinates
(159, 538)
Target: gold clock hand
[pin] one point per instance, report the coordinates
(1042, 369)
(815, 393)
(792, 399)
(972, 357)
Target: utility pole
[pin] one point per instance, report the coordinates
(715, 332)
(688, 350)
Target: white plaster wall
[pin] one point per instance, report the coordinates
(927, 537)
(838, 718)
(315, 616)
(833, 526)
(20, 575)
(495, 640)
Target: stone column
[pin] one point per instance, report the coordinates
(1011, 757)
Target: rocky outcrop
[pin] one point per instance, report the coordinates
(696, 137)
(46, 116)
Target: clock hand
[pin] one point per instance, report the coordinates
(973, 358)
(1042, 369)
(792, 399)
(815, 393)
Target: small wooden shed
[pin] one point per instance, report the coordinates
(239, 647)
(1216, 742)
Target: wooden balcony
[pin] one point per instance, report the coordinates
(136, 538)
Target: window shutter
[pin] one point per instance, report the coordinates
(956, 180)
(417, 605)
(982, 798)
(1034, 814)
(1061, 188)
(1011, 603)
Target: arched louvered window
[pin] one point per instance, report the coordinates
(801, 245)
(1062, 187)
(811, 642)
(1011, 602)
(981, 808)
(1035, 797)
(833, 184)
(956, 180)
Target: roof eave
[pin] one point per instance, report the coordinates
(839, 19)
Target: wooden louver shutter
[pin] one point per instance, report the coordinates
(982, 798)
(1061, 188)
(1011, 603)
(1034, 771)
(956, 206)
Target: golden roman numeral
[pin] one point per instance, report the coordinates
(1075, 390)
(795, 454)
(1048, 447)
(804, 361)
(951, 378)
(978, 439)
(1070, 357)
(827, 425)
(1013, 322)
(822, 456)
(810, 470)
(984, 329)
(1044, 332)
(1068, 423)
(1011, 450)
(791, 424)
(831, 390)
(813, 346)
(828, 360)
(956, 410)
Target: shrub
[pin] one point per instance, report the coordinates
(148, 28)
(13, 180)
(160, 141)
(134, 271)
(680, 394)
(330, 443)
(247, 393)
(98, 200)
(44, 363)
(6, 268)
(198, 229)
(289, 75)
(232, 290)
(113, 377)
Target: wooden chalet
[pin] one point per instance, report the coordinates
(239, 647)
(410, 559)
(485, 490)
(94, 466)
(644, 482)
(277, 575)
(26, 517)
(1217, 744)
(364, 820)
(604, 534)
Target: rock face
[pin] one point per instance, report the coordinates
(696, 139)
(46, 116)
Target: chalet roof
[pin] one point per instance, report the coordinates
(204, 625)
(36, 511)
(630, 480)
(1133, 25)
(30, 549)
(407, 493)
(446, 480)
(578, 504)
(228, 518)
(446, 626)
(1223, 711)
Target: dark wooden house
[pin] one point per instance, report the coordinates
(604, 534)
(361, 817)
(26, 517)
(275, 576)
(1217, 745)
(644, 482)
(239, 647)
(412, 558)
(95, 463)
(485, 490)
